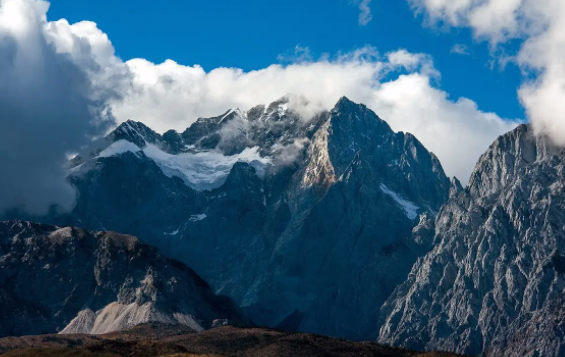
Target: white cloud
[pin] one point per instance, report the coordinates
(48, 102)
(458, 132)
(170, 95)
(541, 26)
(492, 18)
(413, 62)
(460, 49)
(365, 16)
(300, 54)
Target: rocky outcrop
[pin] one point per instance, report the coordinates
(70, 280)
(538, 333)
(494, 282)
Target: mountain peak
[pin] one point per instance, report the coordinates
(508, 159)
(455, 187)
(133, 125)
(135, 132)
(345, 103)
(282, 100)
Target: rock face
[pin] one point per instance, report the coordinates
(494, 282)
(307, 224)
(70, 280)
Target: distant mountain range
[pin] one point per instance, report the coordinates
(339, 226)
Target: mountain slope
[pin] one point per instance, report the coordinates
(70, 280)
(306, 223)
(497, 271)
(348, 240)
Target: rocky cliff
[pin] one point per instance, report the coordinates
(494, 282)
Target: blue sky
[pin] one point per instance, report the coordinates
(252, 34)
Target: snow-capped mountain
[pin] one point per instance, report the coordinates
(69, 280)
(306, 223)
(494, 284)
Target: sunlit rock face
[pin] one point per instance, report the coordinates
(306, 223)
(494, 282)
(70, 280)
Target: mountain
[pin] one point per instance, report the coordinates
(494, 283)
(307, 223)
(70, 280)
(166, 340)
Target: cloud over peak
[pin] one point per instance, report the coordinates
(399, 86)
(49, 106)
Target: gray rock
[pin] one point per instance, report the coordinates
(494, 282)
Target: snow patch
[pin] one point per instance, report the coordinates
(409, 207)
(227, 115)
(119, 147)
(197, 217)
(75, 169)
(282, 109)
(204, 170)
(237, 111)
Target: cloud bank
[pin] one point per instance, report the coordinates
(540, 25)
(49, 104)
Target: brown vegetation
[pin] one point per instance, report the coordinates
(155, 340)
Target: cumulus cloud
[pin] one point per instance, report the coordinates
(540, 24)
(365, 16)
(171, 95)
(49, 105)
(412, 62)
(495, 19)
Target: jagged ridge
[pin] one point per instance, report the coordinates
(497, 270)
